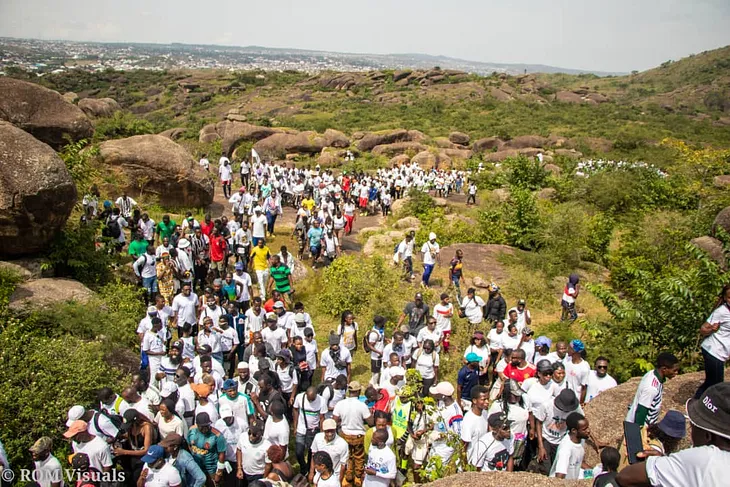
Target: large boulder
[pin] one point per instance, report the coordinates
(457, 153)
(721, 181)
(499, 479)
(487, 144)
(399, 160)
(374, 139)
(407, 222)
(99, 107)
(173, 134)
(459, 138)
(398, 148)
(233, 133)
(712, 247)
(568, 97)
(157, 165)
(278, 145)
(43, 113)
(335, 138)
(722, 220)
(329, 159)
(40, 293)
(428, 160)
(526, 141)
(500, 156)
(37, 193)
(569, 153)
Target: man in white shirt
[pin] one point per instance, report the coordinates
(157, 472)
(431, 254)
(524, 318)
(335, 360)
(647, 403)
(204, 162)
(146, 271)
(98, 450)
(577, 370)
(125, 205)
(381, 465)
(495, 451)
(307, 415)
(48, 472)
(225, 172)
(329, 441)
(599, 380)
(568, 462)
(258, 226)
(474, 424)
(473, 307)
(706, 463)
(352, 414)
(184, 306)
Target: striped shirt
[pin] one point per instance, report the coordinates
(280, 275)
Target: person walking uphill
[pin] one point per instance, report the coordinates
(352, 414)
(570, 294)
(431, 254)
(716, 343)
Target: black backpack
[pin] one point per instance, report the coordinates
(112, 229)
(115, 419)
(322, 386)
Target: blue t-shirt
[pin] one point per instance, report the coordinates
(467, 379)
(315, 236)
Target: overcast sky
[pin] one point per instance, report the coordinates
(606, 35)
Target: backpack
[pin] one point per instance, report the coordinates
(322, 386)
(115, 419)
(112, 229)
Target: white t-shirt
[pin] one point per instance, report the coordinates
(331, 372)
(185, 306)
(254, 456)
(649, 394)
(425, 363)
(718, 344)
(576, 375)
(338, 449)
(473, 427)
(443, 314)
(245, 280)
(554, 357)
(377, 344)
(276, 433)
(510, 342)
(311, 349)
(427, 249)
(309, 412)
(495, 339)
(258, 226)
(536, 393)
(48, 472)
(694, 467)
(568, 459)
(274, 337)
(353, 413)
(382, 460)
(492, 454)
(426, 334)
(332, 481)
(553, 419)
(287, 378)
(254, 322)
(225, 171)
(164, 476)
(473, 309)
(98, 451)
(521, 317)
(597, 385)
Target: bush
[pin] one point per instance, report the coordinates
(121, 125)
(525, 172)
(78, 157)
(522, 222)
(73, 253)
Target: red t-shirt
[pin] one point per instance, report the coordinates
(217, 248)
(206, 228)
(384, 403)
(269, 305)
(519, 375)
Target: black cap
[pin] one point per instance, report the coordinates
(202, 419)
(566, 401)
(711, 412)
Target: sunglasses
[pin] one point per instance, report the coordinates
(602, 367)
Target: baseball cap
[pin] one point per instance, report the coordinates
(498, 420)
(202, 419)
(329, 425)
(566, 401)
(168, 388)
(543, 341)
(80, 461)
(432, 236)
(271, 318)
(711, 412)
(178, 344)
(239, 266)
(577, 345)
(443, 388)
(544, 365)
(44, 443)
(226, 411)
(397, 371)
(75, 413)
(151, 310)
(521, 301)
(242, 365)
(673, 424)
(299, 318)
(527, 331)
(472, 357)
(78, 426)
(284, 355)
(154, 453)
(278, 304)
(229, 384)
(257, 209)
(354, 386)
(172, 439)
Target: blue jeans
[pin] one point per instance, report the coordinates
(427, 270)
(271, 221)
(150, 284)
(218, 356)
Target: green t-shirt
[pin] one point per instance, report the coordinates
(137, 247)
(205, 448)
(166, 230)
(281, 278)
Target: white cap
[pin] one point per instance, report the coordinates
(168, 388)
(258, 208)
(329, 424)
(397, 370)
(299, 318)
(432, 236)
(242, 365)
(74, 414)
(226, 411)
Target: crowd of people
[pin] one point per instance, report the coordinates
(234, 377)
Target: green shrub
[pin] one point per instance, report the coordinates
(525, 172)
(79, 158)
(121, 125)
(73, 253)
(522, 222)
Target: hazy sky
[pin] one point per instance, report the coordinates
(606, 35)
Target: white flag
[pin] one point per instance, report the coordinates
(255, 156)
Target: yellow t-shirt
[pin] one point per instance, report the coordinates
(260, 257)
(308, 204)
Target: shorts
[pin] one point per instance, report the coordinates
(376, 365)
(218, 266)
(150, 284)
(363, 202)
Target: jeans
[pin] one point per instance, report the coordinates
(303, 449)
(427, 270)
(568, 311)
(263, 278)
(714, 372)
(271, 221)
(218, 356)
